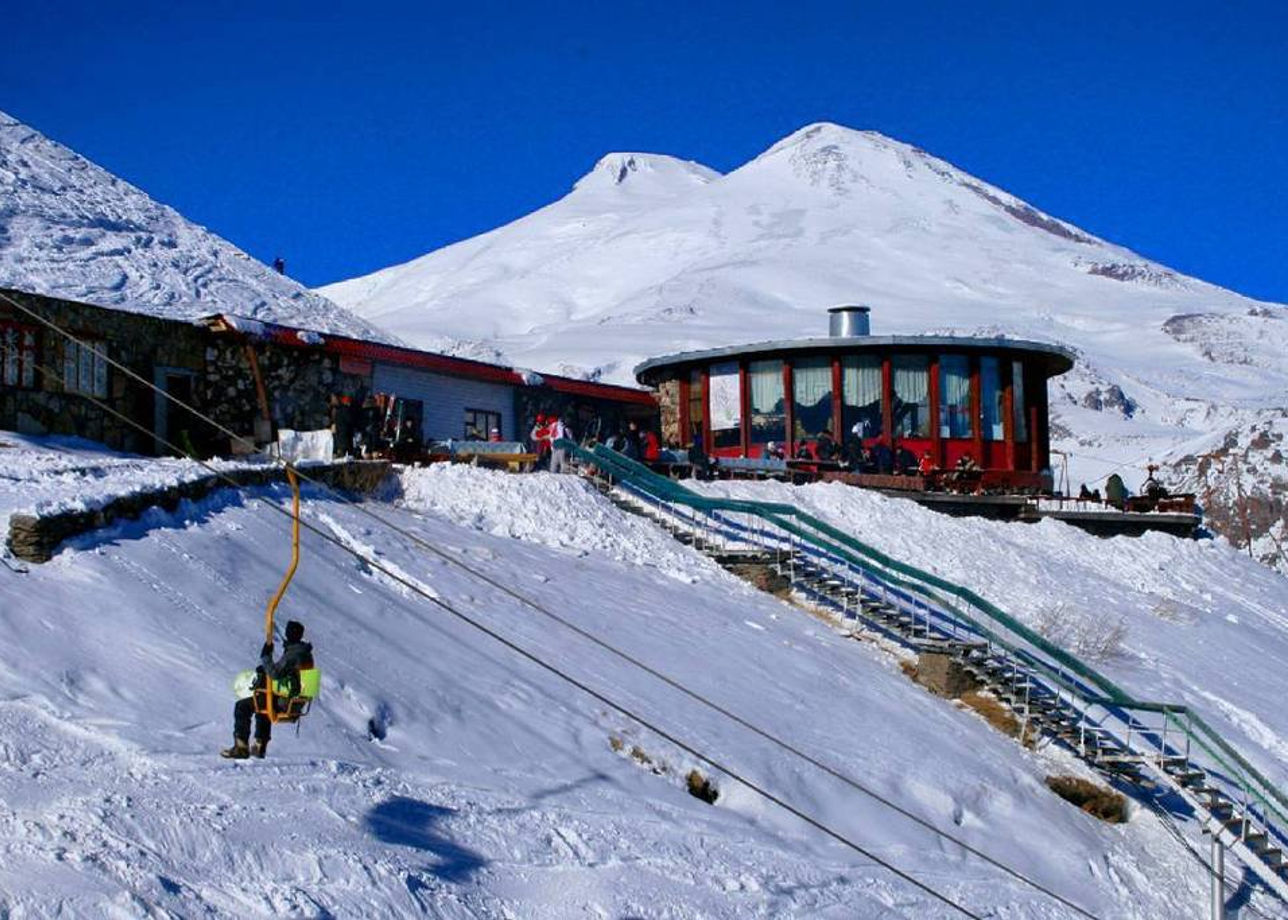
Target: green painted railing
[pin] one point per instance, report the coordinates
(885, 568)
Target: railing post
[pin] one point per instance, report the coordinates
(1218, 877)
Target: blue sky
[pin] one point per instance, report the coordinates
(348, 137)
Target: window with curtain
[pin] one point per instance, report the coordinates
(861, 397)
(726, 405)
(697, 404)
(1019, 404)
(811, 396)
(954, 397)
(911, 385)
(768, 417)
(991, 406)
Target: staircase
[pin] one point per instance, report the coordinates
(1165, 752)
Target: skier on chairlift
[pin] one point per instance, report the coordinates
(283, 677)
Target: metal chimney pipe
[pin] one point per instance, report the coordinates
(848, 321)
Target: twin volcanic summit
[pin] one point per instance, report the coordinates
(650, 254)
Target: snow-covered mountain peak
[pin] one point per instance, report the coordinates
(646, 174)
(69, 228)
(605, 278)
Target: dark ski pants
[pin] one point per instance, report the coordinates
(241, 722)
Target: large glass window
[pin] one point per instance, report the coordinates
(991, 407)
(911, 396)
(726, 405)
(1019, 404)
(861, 396)
(954, 397)
(768, 420)
(812, 396)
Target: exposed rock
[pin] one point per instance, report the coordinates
(1110, 399)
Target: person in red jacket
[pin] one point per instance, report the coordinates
(650, 447)
(540, 436)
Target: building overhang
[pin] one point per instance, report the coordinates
(449, 365)
(1052, 359)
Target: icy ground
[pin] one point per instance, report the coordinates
(441, 775)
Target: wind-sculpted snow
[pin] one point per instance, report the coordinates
(671, 256)
(441, 775)
(70, 229)
(556, 511)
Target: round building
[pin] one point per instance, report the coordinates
(951, 396)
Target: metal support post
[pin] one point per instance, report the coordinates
(1218, 877)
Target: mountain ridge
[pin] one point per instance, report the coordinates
(69, 228)
(596, 281)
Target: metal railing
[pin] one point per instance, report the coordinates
(955, 613)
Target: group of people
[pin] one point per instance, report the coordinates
(883, 457)
(547, 430)
(636, 443)
(376, 424)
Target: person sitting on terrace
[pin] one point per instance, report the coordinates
(883, 458)
(905, 461)
(803, 452)
(825, 446)
(927, 464)
(774, 451)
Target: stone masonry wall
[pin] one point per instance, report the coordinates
(668, 400)
(299, 384)
(139, 342)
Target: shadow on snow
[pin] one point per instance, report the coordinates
(408, 822)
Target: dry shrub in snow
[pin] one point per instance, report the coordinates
(1087, 635)
(993, 712)
(701, 787)
(1097, 801)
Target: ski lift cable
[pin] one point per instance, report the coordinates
(563, 675)
(482, 576)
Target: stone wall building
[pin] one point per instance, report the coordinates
(253, 378)
(52, 385)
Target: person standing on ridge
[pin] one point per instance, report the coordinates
(297, 655)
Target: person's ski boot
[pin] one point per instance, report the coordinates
(239, 751)
(259, 750)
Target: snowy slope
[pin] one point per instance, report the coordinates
(69, 228)
(1171, 619)
(443, 776)
(668, 256)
